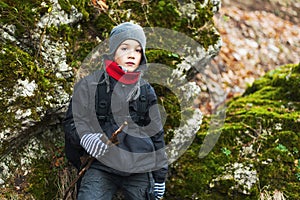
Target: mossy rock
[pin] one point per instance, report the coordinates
(43, 45)
(258, 149)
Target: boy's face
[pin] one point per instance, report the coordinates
(129, 55)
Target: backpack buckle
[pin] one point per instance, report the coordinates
(142, 98)
(101, 118)
(103, 104)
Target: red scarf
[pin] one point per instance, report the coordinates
(113, 70)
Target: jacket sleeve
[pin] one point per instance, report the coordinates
(76, 111)
(83, 106)
(92, 138)
(160, 174)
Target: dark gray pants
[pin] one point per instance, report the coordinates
(100, 185)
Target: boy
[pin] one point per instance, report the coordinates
(138, 159)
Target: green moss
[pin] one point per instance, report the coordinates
(265, 120)
(83, 6)
(163, 57)
(22, 14)
(171, 104)
(42, 181)
(285, 80)
(17, 64)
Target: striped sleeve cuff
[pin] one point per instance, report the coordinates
(93, 144)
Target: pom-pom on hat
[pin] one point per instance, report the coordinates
(125, 31)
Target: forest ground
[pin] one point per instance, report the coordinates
(258, 36)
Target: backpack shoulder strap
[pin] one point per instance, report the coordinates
(142, 103)
(102, 101)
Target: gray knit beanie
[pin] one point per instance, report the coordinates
(119, 34)
(125, 31)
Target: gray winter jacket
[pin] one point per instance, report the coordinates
(141, 146)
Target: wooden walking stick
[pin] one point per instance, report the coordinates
(113, 140)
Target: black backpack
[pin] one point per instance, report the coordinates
(73, 150)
